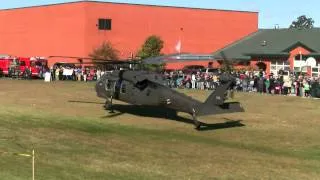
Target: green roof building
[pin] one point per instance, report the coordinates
(277, 49)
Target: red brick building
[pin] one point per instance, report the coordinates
(74, 29)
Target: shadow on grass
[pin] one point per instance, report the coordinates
(84, 102)
(168, 114)
(163, 113)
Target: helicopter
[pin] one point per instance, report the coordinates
(146, 88)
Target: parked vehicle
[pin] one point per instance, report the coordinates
(28, 67)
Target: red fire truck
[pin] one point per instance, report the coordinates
(23, 66)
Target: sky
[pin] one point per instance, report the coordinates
(271, 12)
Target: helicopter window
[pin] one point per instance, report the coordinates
(118, 84)
(141, 84)
(109, 85)
(123, 88)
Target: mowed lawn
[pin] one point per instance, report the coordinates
(75, 138)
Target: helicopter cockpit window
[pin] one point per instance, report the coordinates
(123, 88)
(142, 85)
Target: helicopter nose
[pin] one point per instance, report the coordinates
(100, 89)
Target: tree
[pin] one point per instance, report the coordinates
(302, 22)
(226, 66)
(154, 67)
(104, 52)
(151, 48)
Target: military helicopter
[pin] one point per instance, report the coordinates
(145, 88)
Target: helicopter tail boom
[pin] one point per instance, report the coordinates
(215, 103)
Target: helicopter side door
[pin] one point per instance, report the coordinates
(110, 87)
(146, 94)
(125, 93)
(117, 88)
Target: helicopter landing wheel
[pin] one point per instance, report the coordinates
(197, 123)
(110, 107)
(106, 105)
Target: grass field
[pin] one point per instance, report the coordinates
(75, 138)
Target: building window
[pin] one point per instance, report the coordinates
(300, 57)
(316, 71)
(277, 65)
(104, 24)
(300, 69)
(296, 69)
(300, 63)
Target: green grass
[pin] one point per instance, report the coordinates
(75, 140)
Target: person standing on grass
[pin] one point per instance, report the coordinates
(79, 72)
(260, 84)
(286, 87)
(267, 85)
(301, 88)
(289, 86)
(84, 74)
(57, 73)
(306, 87)
(297, 85)
(245, 82)
(193, 81)
(98, 73)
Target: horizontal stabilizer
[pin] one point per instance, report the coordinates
(230, 107)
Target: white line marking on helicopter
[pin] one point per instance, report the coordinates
(168, 101)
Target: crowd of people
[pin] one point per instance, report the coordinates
(246, 81)
(293, 84)
(76, 73)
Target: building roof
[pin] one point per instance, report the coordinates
(271, 42)
(183, 57)
(134, 4)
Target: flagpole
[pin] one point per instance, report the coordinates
(179, 44)
(180, 34)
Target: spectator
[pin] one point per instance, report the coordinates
(306, 87)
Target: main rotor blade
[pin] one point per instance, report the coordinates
(99, 60)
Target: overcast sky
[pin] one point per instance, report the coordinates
(271, 12)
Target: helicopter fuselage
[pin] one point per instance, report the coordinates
(144, 92)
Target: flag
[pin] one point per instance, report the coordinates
(178, 46)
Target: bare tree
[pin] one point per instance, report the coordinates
(105, 52)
